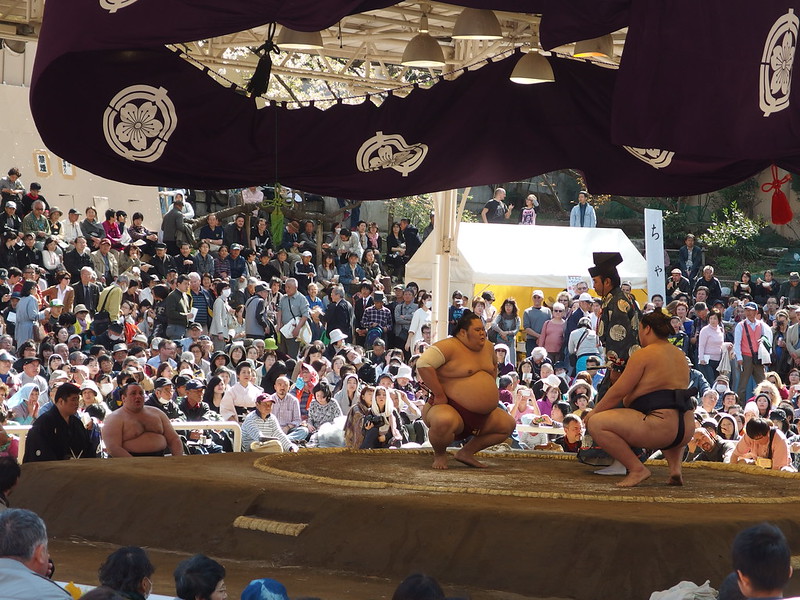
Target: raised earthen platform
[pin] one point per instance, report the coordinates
(534, 526)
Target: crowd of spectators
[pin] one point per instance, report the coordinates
(218, 323)
(107, 323)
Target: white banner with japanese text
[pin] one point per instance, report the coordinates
(654, 251)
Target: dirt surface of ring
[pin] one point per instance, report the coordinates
(532, 476)
(387, 514)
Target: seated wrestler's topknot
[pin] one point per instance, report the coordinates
(659, 322)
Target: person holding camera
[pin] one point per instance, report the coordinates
(380, 424)
(746, 339)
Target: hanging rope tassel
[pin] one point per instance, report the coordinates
(781, 211)
(259, 82)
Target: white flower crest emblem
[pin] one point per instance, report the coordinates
(781, 62)
(139, 121)
(777, 63)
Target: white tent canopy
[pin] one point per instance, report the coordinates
(526, 256)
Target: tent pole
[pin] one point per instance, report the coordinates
(447, 208)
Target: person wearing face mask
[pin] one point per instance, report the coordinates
(115, 334)
(162, 399)
(129, 572)
(721, 386)
(421, 316)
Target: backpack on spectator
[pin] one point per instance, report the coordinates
(373, 334)
(102, 319)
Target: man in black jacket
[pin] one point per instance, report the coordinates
(77, 258)
(59, 434)
(162, 262)
(9, 219)
(340, 313)
(410, 236)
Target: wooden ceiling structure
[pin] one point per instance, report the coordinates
(361, 54)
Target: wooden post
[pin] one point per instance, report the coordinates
(320, 234)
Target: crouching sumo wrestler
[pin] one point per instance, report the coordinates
(461, 374)
(658, 409)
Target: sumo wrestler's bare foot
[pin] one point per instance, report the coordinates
(468, 459)
(440, 461)
(675, 479)
(635, 477)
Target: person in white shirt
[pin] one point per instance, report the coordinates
(71, 228)
(241, 397)
(187, 210)
(261, 423)
(252, 195)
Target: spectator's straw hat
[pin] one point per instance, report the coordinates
(88, 384)
(79, 309)
(58, 375)
(551, 381)
(337, 335)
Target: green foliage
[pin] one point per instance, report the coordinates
(472, 217)
(276, 218)
(418, 209)
(733, 233)
(742, 195)
(676, 224)
(728, 264)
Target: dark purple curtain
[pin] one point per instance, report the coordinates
(711, 78)
(110, 98)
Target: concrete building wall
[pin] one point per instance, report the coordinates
(63, 184)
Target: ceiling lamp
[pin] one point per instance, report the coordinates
(602, 47)
(290, 39)
(423, 51)
(477, 24)
(532, 68)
